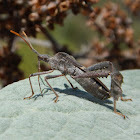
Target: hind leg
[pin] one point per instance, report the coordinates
(125, 99)
(115, 111)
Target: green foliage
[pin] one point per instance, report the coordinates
(74, 32)
(29, 59)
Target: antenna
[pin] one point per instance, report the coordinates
(27, 41)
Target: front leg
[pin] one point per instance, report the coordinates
(55, 76)
(36, 74)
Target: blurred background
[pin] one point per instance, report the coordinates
(90, 30)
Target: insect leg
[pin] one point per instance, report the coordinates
(106, 65)
(116, 91)
(50, 77)
(35, 74)
(39, 75)
(115, 111)
(125, 99)
(55, 76)
(116, 80)
(92, 74)
(70, 83)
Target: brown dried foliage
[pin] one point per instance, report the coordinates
(28, 16)
(55, 11)
(134, 6)
(9, 72)
(114, 25)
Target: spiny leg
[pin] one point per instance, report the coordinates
(106, 65)
(95, 75)
(92, 74)
(116, 80)
(115, 111)
(35, 74)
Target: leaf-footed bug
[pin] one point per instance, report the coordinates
(86, 77)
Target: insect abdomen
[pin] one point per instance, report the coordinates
(92, 87)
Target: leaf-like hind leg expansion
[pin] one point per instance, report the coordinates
(116, 81)
(36, 74)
